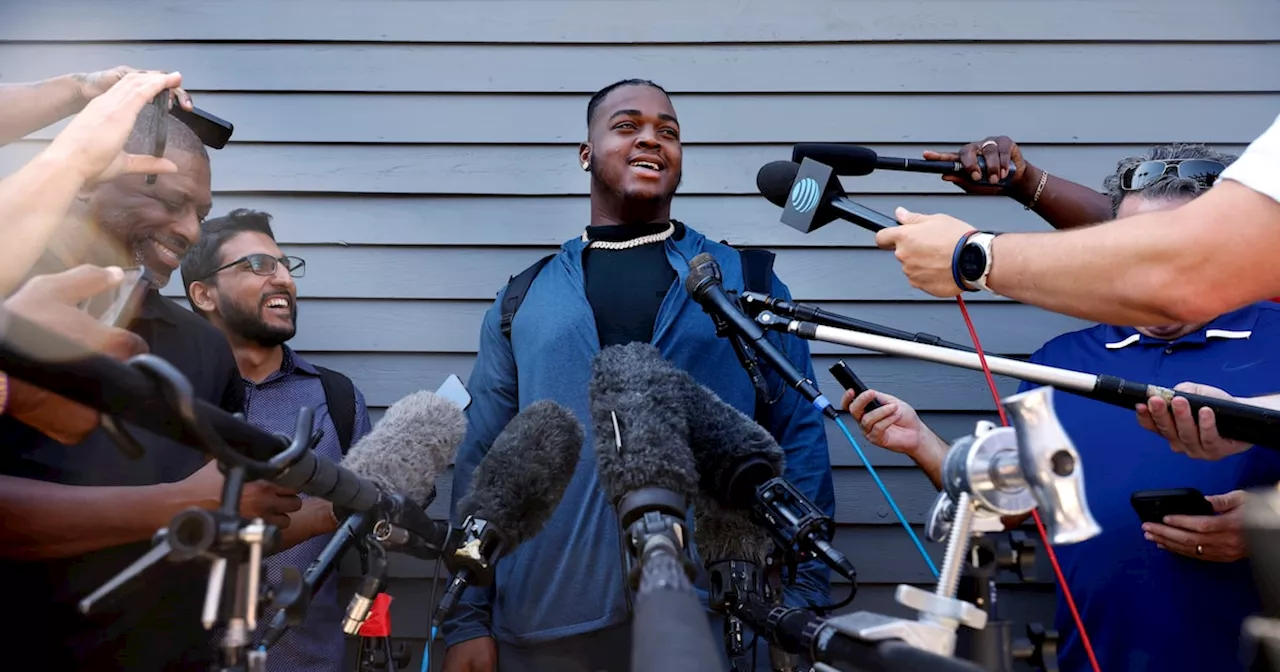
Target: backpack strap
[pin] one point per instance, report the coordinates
(340, 394)
(757, 270)
(517, 286)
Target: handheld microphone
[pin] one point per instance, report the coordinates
(855, 161)
(811, 197)
(404, 454)
(741, 467)
(706, 285)
(515, 489)
(647, 471)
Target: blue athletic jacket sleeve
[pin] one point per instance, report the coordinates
(800, 430)
(494, 402)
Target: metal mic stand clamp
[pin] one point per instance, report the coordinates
(233, 545)
(998, 471)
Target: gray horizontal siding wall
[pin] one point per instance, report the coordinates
(418, 153)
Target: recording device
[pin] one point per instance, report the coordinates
(811, 197)
(1235, 420)
(705, 284)
(647, 473)
(742, 464)
(753, 303)
(850, 381)
(734, 551)
(405, 452)
(513, 493)
(160, 132)
(1153, 505)
(118, 306)
(453, 390)
(855, 160)
(213, 131)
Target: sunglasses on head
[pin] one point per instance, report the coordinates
(265, 264)
(1146, 173)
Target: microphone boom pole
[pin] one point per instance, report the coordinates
(1243, 422)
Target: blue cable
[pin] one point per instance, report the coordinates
(426, 651)
(892, 504)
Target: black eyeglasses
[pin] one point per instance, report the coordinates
(265, 264)
(1146, 173)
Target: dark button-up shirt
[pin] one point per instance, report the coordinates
(318, 644)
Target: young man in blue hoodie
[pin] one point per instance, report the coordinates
(559, 601)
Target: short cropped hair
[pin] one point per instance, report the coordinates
(206, 255)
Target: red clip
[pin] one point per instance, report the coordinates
(378, 623)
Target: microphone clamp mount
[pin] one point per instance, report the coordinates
(234, 546)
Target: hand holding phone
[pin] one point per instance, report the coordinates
(160, 134)
(1153, 505)
(850, 381)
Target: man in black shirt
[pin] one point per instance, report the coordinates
(75, 515)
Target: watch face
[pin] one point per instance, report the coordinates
(972, 262)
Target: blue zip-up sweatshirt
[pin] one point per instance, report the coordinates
(568, 580)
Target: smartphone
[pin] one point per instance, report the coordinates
(455, 391)
(212, 130)
(850, 381)
(117, 307)
(160, 134)
(1153, 505)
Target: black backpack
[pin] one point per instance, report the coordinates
(340, 394)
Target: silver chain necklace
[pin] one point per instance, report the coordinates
(628, 244)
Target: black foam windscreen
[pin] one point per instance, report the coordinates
(521, 480)
(774, 181)
(722, 533)
(638, 418)
(733, 453)
(847, 160)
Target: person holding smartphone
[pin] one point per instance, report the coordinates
(1146, 581)
(76, 515)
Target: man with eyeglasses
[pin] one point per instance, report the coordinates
(1141, 586)
(237, 278)
(78, 512)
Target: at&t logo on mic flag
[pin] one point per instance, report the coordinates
(805, 194)
(815, 182)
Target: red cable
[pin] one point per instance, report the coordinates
(1035, 514)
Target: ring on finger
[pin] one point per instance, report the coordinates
(987, 144)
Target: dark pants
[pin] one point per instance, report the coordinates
(606, 650)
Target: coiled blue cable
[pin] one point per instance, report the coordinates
(892, 504)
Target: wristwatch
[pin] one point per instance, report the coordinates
(974, 261)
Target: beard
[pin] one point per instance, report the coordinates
(633, 208)
(249, 325)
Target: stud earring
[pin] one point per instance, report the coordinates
(586, 166)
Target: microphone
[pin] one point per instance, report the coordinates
(403, 455)
(515, 489)
(741, 467)
(647, 472)
(811, 197)
(855, 161)
(705, 284)
(733, 548)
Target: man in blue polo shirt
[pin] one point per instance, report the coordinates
(1147, 605)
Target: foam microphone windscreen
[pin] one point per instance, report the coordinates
(727, 534)
(723, 440)
(636, 386)
(774, 180)
(847, 160)
(520, 481)
(414, 442)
